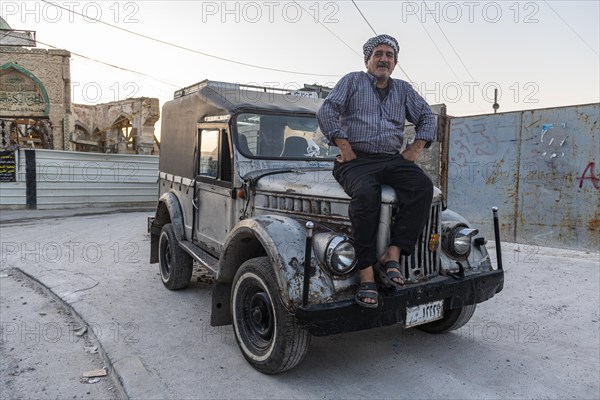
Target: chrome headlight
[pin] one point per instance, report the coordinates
(456, 240)
(340, 255)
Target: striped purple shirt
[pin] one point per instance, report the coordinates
(354, 111)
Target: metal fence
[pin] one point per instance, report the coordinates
(64, 179)
(540, 167)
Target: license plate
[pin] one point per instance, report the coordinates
(424, 313)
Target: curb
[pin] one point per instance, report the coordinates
(91, 212)
(113, 374)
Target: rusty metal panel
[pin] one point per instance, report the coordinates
(559, 189)
(541, 167)
(482, 169)
(430, 159)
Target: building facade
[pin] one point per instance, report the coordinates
(36, 109)
(35, 98)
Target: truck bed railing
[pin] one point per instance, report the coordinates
(239, 86)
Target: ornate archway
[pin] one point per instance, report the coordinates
(24, 109)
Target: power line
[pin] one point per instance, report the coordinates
(457, 55)
(187, 48)
(365, 18)
(8, 34)
(445, 59)
(121, 68)
(571, 28)
(453, 49)
(440, 52)
(375, 32)
(330, 31)
(459, 58)
(114, 66)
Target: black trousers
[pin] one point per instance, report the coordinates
(362, 178)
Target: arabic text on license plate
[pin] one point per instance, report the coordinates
(424, 313)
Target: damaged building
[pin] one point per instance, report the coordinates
(36, 109)
(122, 127)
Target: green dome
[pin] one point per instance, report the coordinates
(4, 24)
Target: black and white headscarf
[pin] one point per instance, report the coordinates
(376, 41)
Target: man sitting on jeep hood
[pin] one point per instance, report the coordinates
(364, 116)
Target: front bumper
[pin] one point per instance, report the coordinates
(347, 316)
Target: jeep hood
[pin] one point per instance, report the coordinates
(319, 184)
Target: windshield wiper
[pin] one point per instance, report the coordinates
(252, 178)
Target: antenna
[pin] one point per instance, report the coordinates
(496, 106)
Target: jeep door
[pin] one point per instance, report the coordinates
(214, 201)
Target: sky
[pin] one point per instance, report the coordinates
(537, 54)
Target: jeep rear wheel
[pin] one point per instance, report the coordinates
(453, 320)
(174, 263)
(268, 335)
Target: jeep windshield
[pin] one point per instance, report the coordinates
(282, 137)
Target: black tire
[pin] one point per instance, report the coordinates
(174, 263)
(453, 320)
(268, 335)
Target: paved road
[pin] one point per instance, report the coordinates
(539, 338)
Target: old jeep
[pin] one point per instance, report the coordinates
(246, 190)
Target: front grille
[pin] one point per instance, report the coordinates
(423, 263)
(318, 208)
(299, 205)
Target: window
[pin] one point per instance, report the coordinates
(282, 136)
(209, 152)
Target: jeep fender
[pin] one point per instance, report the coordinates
(479, 258)
(451, 215)
(167, 210)
(284, 241)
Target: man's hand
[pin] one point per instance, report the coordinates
(346, 152)
(412, 152)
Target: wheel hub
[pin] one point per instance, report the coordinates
(167, 263)
(261, 318)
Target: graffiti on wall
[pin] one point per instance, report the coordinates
(554, 144)
(589, 174)
(545, 175)
(473, 140)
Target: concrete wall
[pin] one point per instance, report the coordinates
(71, 180)
(540, 167)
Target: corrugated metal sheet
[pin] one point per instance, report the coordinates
(73, 179)
(541, 167)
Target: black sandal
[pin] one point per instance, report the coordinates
(392, 270)
(367, 290)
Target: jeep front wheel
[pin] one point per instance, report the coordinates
(453, 320)
(174, 263)
(268, 335)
